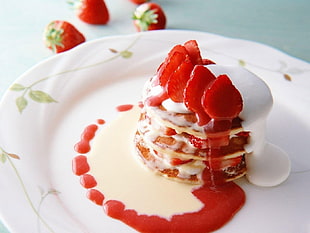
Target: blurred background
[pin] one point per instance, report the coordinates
(283, 24)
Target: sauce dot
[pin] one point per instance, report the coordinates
(83, 146)
(124, 107)
(95, 196)
(100, 121)
(88, 181)
(80, 165)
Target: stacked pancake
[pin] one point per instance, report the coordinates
(183, 132)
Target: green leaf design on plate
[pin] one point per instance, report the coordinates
(126, 54)
(242, 62)
(7, 157)
(17, 87)
(41, 96)
(21, 103)
(3, 157)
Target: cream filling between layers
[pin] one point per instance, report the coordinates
(120, 176)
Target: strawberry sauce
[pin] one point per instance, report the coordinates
(220, 203)
(83, 145)
(124, 107)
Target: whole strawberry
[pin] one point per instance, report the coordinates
(91, 11)
(60, 36)
(139, 1)
(149, 16)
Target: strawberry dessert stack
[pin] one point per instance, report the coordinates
(190, 127)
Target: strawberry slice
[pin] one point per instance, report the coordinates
(171, 63)
(194, 52)
(170, 131)
(201, 77)
(199, 143)
(177, 161)
(222, 100)
(219, 164)
(171, 58)
(206, 61)
(178, 48)
(178, 81)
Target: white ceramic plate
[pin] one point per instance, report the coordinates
(39, 193)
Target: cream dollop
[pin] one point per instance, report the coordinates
(267, 165)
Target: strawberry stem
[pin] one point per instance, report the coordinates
(53, 36)
(145, 17)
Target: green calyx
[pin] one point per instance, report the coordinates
(75, 4)
(145, 17)
(53, 36)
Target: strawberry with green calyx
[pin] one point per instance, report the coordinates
(91, 11)
(60, 36)
(149, 16)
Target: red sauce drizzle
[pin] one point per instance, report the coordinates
(80, 165)
(221, 202)
(124, 107)
(83, 146)
(100, 121)
(88, 181)
(95, 196)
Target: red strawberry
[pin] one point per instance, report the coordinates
(149, 16)
(201, 77)
(139, 1)
(222, 100)
(178, 81)
(243, 134)
(177, 161)
(169, 131)
(219, 164)
(199, 143)
(193, 51)
(206, 61)
(92, 11)
(195, 55)
(61, 36)
(178, 48)
(169, 66)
